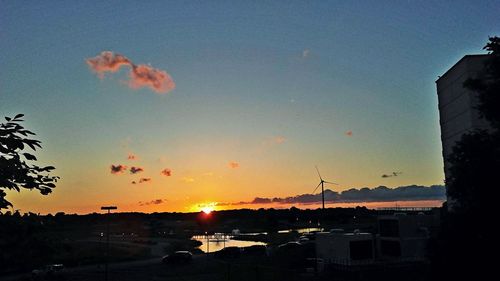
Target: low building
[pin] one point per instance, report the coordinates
(404, 236)
(339, 247)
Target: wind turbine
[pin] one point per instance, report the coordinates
(322, 183)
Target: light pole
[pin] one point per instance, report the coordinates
(108, 208)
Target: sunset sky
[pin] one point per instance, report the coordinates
(248, 97)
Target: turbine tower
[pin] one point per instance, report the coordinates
(322, 183)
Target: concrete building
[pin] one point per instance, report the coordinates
(339, 247)
(404, 236)
(457, 112)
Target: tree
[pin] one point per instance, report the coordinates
(16, 168)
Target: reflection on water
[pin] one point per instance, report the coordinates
(301, 230)
(218, 243)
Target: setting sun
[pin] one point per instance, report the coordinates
(207, 210)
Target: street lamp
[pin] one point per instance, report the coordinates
(108, 208)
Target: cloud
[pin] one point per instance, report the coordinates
(208, 174)
(131, 156)
(187, 179)
(140, 76)
(233, 165)
(107, 62)
(118, 169)
(279, 139)
(306, 53)
(135, 170)
(166, 172)
(143, 180)
(378, 194)
(348, 133)
(146, 76)
(393, 174)
(152, 202)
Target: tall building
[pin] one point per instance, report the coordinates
(457, 105)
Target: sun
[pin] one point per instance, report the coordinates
(207, 209)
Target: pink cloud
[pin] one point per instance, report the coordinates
(140, 76)
(146, 76)
(234, 165)
(279, 139)
(131, 156)
(118, 169)
(107, 62)
(348, 133)
(166, 172)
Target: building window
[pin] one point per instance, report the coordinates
(361, 250)
(389, 228)
(390, 248)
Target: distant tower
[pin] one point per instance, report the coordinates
(457, 105)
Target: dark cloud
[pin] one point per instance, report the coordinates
(166, 172)
(152, 202)
(393, 174)
(142, 180)
(378, 194)
(135, 170)
(118, 169)
(348, 133)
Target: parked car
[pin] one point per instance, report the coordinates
(55, 271)
(178, 257)
(255, 250)
(228, 252)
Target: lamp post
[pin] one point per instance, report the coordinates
(108, 208)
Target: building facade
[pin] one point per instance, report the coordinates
(457, 105)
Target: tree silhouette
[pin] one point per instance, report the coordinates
(16, 168)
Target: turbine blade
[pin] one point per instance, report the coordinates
(316, 187)
(318, 173)
(331, 182)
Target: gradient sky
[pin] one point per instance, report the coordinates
(275, 87)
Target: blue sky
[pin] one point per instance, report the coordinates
(245, 74)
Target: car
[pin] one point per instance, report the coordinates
(228, 252)
(255, 250)
(50, 271)
(178, 257)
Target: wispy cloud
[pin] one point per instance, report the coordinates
(378, 194)
(306, 53)
(348, 133)
(152, 202)
(234, 165)
(279, 139)
(166, 172)
(187, 179)
(131, 156)
(118, 169)
(208, 174)
(135, 170)
(393, 174)
(140, 76)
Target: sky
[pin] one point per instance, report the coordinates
(225, 101)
